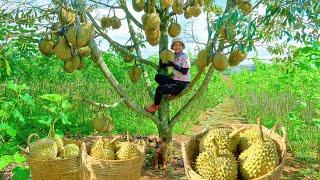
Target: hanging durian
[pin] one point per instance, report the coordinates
(45, 47)
(167, 3)
(62, 50)
(138, 5)
(177, 6)
(220, 61)
(135, 74)
(174, 29)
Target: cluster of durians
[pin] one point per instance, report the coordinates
(51, 147)
(72, 40)
(219, 59)
(104, 149)
(231, 154)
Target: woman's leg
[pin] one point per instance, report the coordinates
(163, 79)
(167, 89)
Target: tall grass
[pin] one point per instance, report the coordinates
(290, 98)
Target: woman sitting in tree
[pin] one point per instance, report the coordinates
(181, 75)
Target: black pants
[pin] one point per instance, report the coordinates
(167, 86)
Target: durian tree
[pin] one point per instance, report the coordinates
(232, 32)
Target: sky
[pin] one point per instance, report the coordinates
(122, 35)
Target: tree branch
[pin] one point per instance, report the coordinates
(138, 51)
(198, 94)
(130, 16)
(117, 45)
(105, 4)
(101, 105)
(115, 84)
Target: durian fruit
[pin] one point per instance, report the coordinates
(259, 159)
(249, 137)
(72, 64)
(220, 61)
(59, 142)
(152, 21)
(115, 22)
(138, 5)
(187, 12)
(80, 37)
(72, 35)
(216, 164)
(85, 33)
(67, 16)
(45, 47)
(166, 56)
(225, 138)
(71, 151)
(43, 149)
(202, 58)
(102, 122)
(144, 19)
(177, 6)
(135, 74)
(153, 36)
(246, 7)
(174, 29)
(167, 3)
(196, 10)
(105, 22)
(62, 50)
(99, 152)
(128, 57)
(127, 150)
(84, 51)
(236, 57)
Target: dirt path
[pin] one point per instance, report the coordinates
(223, 113)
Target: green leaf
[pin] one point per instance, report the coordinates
(57, 98)
(65, 119)
(8, 68)
(3, 114)
(19, 158)
(66, 105)
(317, 122)
(21, 173)
(45, 120)
(12, 86)
(16, 113)
(27, 99)
(11, 131)
(5, 161)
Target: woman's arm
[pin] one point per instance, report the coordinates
(178, 68)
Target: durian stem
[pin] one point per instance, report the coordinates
(260, 129)
(236, 132)
(24, 150)
(114, 139)
(216, 148)
(128, 136)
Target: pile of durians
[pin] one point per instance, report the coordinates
(104, 149)
(69, 40)
(231, 154)
(51, 147)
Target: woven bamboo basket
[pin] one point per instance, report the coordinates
(62, 169)
(117, 169)
(190, 150)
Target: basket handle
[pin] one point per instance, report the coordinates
(283, 130)
(185, 159)
(31, 136)
(85, 172)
